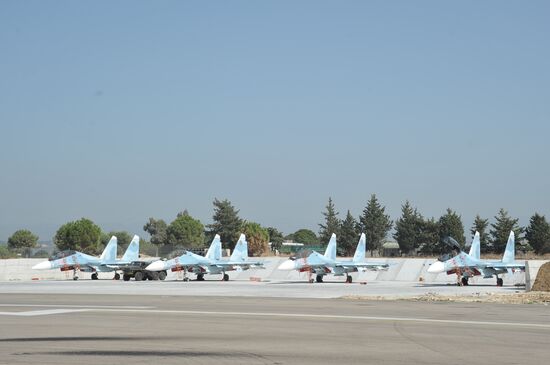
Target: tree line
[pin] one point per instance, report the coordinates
(414, 233)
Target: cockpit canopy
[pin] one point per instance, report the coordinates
(302, 254)
(62, 254)
(452, 249)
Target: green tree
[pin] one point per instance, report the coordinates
(375, 223)
(158, 230)
(480, 225)
(5, 253)
(257, 238)
(275, 237)
(22, 241)
(501, 230)
(186, 231)
(305, 236)
(408, 228)
(349, 235)
(450, 225)
(81, 235)
(226, 222)
(331, 225)
(538, 234)
(428, 237)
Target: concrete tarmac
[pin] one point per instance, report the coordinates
(331, 288)
(170, 329)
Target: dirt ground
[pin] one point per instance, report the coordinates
(542, 282)
(512, 298)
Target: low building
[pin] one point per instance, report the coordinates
(390, 249)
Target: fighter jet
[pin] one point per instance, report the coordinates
(211, 263)
(469, 265)
(314, 263)
(80, 262)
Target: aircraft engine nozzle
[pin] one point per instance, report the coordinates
(155, 266)
(436, 268)
(286, 265)
(44, 265)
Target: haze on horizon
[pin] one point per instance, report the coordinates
(120, 111)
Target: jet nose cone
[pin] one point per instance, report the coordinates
(286, 265)
(155, 266)
(436, 267)
(44, 265)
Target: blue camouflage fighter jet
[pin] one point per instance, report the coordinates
(312, 262)
(469, 265)
(80, 262)
(211, 263)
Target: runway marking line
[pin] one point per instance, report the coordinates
(44, 312)
(328, 316)
(77, 306)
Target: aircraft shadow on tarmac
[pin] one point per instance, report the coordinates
(85, 338)
(305, 282)
(152, 353)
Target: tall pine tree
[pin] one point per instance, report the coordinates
(226, 222)
(429, 236)
(480, 225)
(331, 225)
(538, 234)
(375, 223)
(408, 228)
(450, 225)
(501, 230)
(349, 236)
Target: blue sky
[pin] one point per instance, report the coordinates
(123, 110)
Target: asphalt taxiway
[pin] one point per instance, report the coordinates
(145, 329)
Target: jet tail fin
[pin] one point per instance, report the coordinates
(330, 252)
(361, 249)
(132, 252)
(510, 251)
(215, 250)
(240, 252)
(109, 253)
(475, 249)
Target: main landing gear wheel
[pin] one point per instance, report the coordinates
(200, 277)
(117, 276)
(162, 275)
(94, 276)
(500, 282)
(311, 281)
(225, 277)
(319, 278)
(464, 281)
(349, 279)
(138, 276)
(75, 277)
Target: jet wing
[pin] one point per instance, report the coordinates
(365, 265)
(500, 265)
(239, 263)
